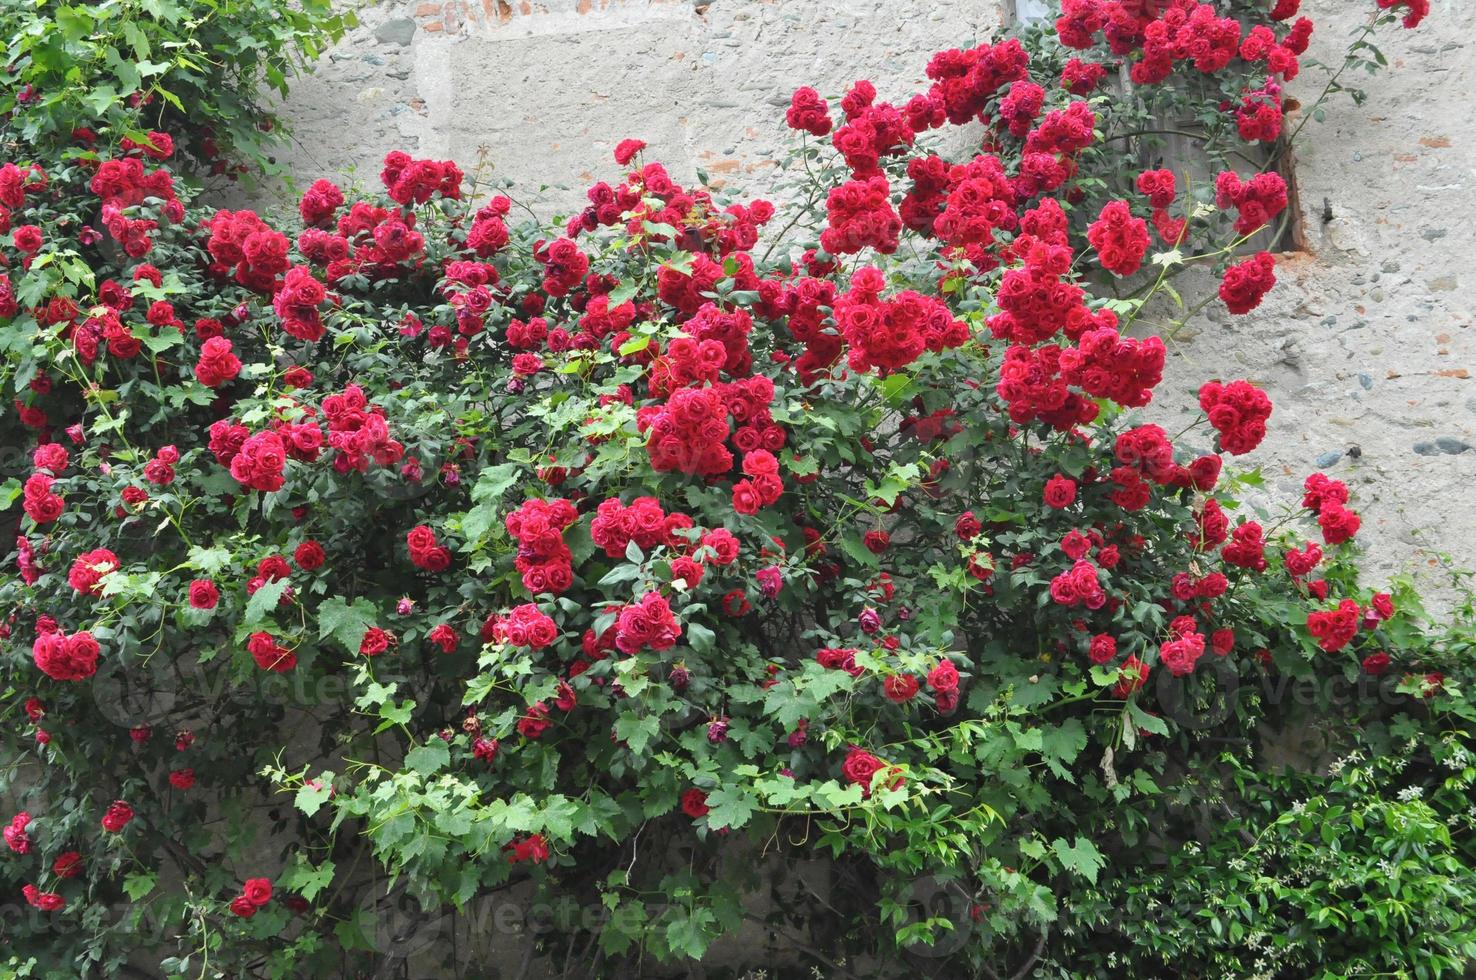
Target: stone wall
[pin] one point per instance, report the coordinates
(1367, 345)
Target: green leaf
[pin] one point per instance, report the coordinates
(634, 345)
(853, 546)
(699, 637)
(136, 886)
(428, 758)
(345, 622)
(1060, 746)
(307, 880)
(1145, 721)
(691, 935)
(264, 600)
(637, 730)
(310, 799)
(494, 481)
(728, 807)
(10, 490)
(1081, 857)
(208, 560)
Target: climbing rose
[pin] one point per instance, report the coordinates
(694, 803)
(1060, 491)
(117, 816)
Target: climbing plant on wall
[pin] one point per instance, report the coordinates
(807, 573)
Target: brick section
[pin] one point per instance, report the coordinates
(487, 16)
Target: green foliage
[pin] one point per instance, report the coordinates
(790, 759)
(123, 68)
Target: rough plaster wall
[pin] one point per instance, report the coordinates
(1367, 339)
(1366, 342)
(540, 93)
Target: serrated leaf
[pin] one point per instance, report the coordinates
(1145, 721)
(428, 758)
(345, 622)
(1080, 857)
(852, 545)
(264, 600)
(310, 799)
(136, 886)
(728, 807)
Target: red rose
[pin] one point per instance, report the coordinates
(420, 539)
(1375, 664)
(203, 594)
(694, 803)
(27, 238)
(1060, 492)
(66, 658)
(444, 637)
(375, 641)
(859, 768)
(257, 891)
(626, 150)
(943, 677)
(900, 688)
(117, 816)
(182, 778)
(88, 570)
(269, 655)
(45, 901)
(1103, 649)
(68, 864)
(967, 526)
(241, 905)
(309, 556)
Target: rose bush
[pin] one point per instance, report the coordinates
(637, 561)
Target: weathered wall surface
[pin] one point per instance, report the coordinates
(540, 91)
(1368, 341)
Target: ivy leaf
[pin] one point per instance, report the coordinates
(494, 481)
(851, 544)
(345, 622)
(636, 731)
(307, 880)
(1081, 857)
(691, 935)
(264, 600)
(428, 758)
(1145, 721)
(1061, 745)
(310, 799)
(208, 560)
(728, 808)
(559, 815)
(136, 886)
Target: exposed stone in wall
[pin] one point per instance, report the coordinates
(1367, 343)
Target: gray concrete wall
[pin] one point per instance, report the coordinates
(1366, 342)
